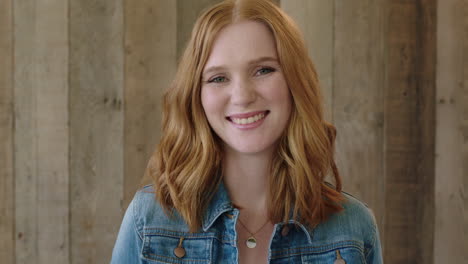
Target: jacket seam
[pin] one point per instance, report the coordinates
(177, 234)
(316, 249)
(374, 234)
(134, 222)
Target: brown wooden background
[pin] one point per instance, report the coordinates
(80, 87)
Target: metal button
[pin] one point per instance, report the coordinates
(179, 251)
(285, 230)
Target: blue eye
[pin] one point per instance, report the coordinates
(265, 70)
(218, 79)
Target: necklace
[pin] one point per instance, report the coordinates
(251, 242)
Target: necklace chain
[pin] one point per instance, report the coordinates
(253, 234)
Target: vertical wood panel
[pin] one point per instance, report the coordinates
(52, 130)
(464, 128)
(426, 75)
(409, 128)
(150, 63)
(358, 99)
(7, 241)
(96, 127)
(25, 131)
(315, 19)
(187, 13)
(451, 199)
(41, 131)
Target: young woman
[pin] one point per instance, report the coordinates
(239, 174)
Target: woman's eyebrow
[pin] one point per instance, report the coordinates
(254, 61)
(263, 59)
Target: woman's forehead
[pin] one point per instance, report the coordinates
(242, 42)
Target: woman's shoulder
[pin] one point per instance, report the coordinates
(149, 214)
(354, 207)
(356, 222)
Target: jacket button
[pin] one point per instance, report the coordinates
(285, 230)
(179, 252)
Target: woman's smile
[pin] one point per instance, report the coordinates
(249, 120)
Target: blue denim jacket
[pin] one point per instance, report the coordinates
(147, 235)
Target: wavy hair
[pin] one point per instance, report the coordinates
(186, 167)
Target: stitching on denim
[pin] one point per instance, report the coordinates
(317, 249)
(374, 234)
(146, 246)
(318, 252)
(134, 219)
(361, 255)
(177, 234)
(174, 259)
(173, 233)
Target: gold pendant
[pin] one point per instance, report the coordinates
(251, 242)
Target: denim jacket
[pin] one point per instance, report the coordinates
(147, 235)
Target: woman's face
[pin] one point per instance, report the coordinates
(244, 93)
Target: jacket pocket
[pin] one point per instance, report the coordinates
(340, 254)
(165, 246)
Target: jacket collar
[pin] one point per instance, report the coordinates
(221, 203)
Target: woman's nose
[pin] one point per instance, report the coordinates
(243, 93)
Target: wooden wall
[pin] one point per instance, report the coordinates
(377, 59)
(41, 170)
(7, 190)
(80, 89)
(451, 166)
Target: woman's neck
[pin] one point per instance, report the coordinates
(247, 178)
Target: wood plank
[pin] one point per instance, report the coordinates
(187, 13)
(464, 128)
(358, 109)
(315, 18)
(451, 171)
(41, 131)
(25, 130)
(96, 127)
(7, 195)
(150, 64)
(409, 131)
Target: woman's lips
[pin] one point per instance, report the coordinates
(248, 120)
(247, 115)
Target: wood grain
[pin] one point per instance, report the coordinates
(96, 128)
(41, 131)
(315, 19)
(187, 13)
(150, 63)
(358, 91)
(451, 173)
(464, 129)
(7, 190)
(409, 131)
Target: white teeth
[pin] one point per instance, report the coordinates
(245, 121)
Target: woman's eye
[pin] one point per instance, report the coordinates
(265, 70)
(218, 79)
